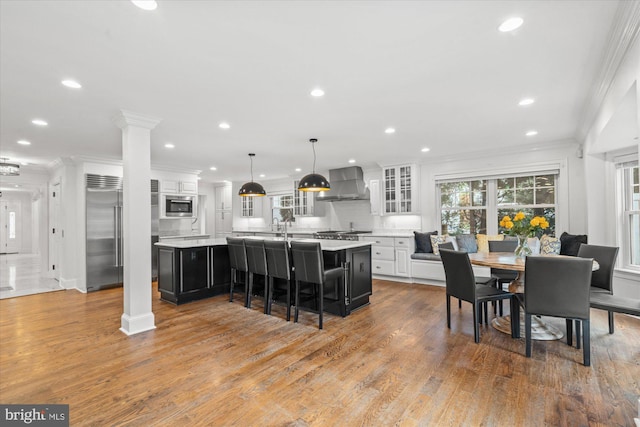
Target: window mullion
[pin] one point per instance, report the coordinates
(492, 206)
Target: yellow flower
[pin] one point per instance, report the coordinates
(535, 221)
(508, 225)
(506, 218)
(519, 216)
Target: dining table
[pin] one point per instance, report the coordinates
(540, 330)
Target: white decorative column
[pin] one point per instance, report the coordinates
(136, 219)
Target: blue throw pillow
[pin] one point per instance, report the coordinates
(467, 243)
(423, 242)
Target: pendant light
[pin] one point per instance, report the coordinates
(252, 189)
(313, 181)
(8, 169)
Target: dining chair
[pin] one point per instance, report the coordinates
(503, 276)
(309, 267)
(480, 280)
(256, 265)
(558, 287)
(278, 267)
(461, 283)
(238, 263)
(602, 278)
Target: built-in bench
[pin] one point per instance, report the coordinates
(615, 304)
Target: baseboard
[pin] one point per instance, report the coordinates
(131, 325)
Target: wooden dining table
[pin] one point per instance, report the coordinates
(540, 330)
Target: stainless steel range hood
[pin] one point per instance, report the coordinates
(346, 184)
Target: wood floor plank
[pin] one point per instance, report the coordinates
(394, 362)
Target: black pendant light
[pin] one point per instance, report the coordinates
(252, 189)
(313, 181)
(8, 169)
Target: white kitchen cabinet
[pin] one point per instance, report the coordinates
(223, 198)
(403, 248)
(305, 203)
(374, 196)
(390, 256)
(224, 221)
(251, 207)
(172, 186)
(400, 190)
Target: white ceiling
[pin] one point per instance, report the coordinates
(437, 71)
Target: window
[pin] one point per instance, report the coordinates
(629, 224)
(466, 205)
(533, 195)
(282, 208)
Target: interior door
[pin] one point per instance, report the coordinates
(10, 224)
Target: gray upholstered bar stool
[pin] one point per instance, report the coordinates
(256, 264)
(309, 267)
(238, 262)
(278, 267)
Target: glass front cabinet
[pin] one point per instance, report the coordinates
(400, 189)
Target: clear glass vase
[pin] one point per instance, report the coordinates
(523, 249)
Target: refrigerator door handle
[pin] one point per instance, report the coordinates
(116, 235)
(119, 231)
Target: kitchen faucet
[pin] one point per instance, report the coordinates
(275, 221)
(285, 227)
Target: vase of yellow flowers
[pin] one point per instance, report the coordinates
(523, 228)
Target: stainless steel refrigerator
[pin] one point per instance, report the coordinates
(104, 231)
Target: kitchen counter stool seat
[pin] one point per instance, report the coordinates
(278, 267)
(309, 267)
(256, 265)
(238, 262)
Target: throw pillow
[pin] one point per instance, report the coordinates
(423, 242)
(436, 240)
(549, 245)
(467, 243)
(483, 241)
(570, 243)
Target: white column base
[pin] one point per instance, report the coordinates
(135, 325)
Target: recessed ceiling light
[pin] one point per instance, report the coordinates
(224, 125)
(72, 84)
(145, 4)
(317, 92)
(213, 168)
(511, 24)
(352, 160)
(298, 170)
(24, 142)
(389, 130)
(24, 163)
(199, 178)
(532, 133)
(17, 185)
(262, 175)
(526, 101)
(39, 122)
(425, 149)
(169, 146)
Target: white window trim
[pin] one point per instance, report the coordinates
(555, 167)
(622, 216)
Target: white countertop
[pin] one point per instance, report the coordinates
(182, 236)
(325, 245)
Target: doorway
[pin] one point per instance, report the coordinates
(10, 224)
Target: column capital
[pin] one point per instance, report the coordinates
(128, 118)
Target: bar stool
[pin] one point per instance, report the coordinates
(256, 264)
(278, 267)
(238, 262)
(308, 267)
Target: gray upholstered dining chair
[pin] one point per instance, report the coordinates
(602, 278)
(461, 283)
(558, 287)
(503, 276)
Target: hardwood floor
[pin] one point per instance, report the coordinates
(394, 362)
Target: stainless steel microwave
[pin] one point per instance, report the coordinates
(174, 206)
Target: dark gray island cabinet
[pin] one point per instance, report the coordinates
(193, 269)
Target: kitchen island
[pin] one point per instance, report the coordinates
(196, 269)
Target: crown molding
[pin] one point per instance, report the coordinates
(623, 34)
(128, 118)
